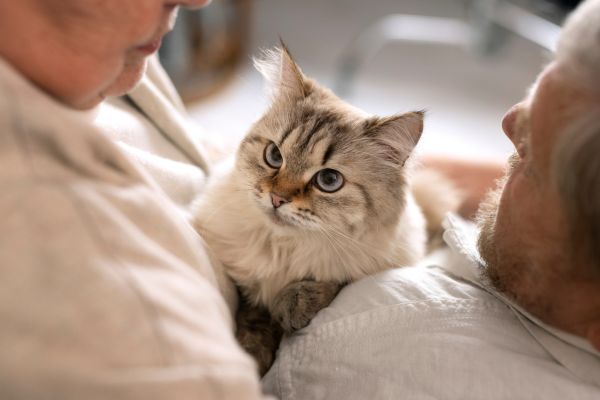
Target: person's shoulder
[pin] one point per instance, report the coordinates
(413, 331)
(418, 288)
(418, 332)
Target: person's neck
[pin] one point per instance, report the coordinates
(576, 309)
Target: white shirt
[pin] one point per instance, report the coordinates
(106, 291)
(432, 332)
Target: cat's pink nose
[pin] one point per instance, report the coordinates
(277, 200)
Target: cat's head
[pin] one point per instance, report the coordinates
(313, 162)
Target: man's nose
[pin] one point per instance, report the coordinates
(509, 121)
(278, 200)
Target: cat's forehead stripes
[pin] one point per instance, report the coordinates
(297, 122)
(328, 153)
(310, 128)
(310, 122)
(320, 121)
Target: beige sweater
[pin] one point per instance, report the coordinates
(105, 289)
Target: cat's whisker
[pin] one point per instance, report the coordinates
(332, 242)
(345, 236)
(342, 244)
(270, 230)
(366, 247)
(370, 263)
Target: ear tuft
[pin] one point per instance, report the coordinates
(397, 135)
(281, 72)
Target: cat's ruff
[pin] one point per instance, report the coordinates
(271, 220)
(262, 257)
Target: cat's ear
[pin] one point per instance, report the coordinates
(285, 78)
(397, 135)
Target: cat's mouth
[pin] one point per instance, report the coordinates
(279, 219)
(292, 220)
(284, 218)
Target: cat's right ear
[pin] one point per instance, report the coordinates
(396, 136)
(285, 78)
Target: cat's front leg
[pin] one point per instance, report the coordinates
(258, 334)
(296, 305)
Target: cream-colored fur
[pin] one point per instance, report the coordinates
(264, 258)
(371, 224)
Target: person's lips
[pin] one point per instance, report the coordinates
(150, 47)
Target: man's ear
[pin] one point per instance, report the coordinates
(282, 73)
(397, 135)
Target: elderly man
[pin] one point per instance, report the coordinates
(520, 318)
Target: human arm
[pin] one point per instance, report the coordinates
(104, 295)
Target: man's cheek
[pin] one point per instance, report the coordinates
(514, 203)
(517, 188)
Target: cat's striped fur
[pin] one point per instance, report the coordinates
(372, 223)
(288, 244)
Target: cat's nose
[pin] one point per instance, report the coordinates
(277, 200)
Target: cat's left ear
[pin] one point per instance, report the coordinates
(283, 74)
(397, 135)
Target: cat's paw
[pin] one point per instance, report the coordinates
(258, 334)
(296, 305)
(261, 345)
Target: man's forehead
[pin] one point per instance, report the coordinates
(547, 116)
(532, 89)
(555, 102)
(545, 78)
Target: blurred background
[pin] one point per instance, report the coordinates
(464, 61)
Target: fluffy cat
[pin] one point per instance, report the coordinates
(319, 196)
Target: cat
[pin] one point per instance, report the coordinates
(319, 196)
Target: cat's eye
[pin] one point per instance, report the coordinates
(328, 180)
(272, 156)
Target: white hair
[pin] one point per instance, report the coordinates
(577, 165)
(577, 172)
(579, 46)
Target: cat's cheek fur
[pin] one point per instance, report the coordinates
(263, 260)
(371, 224)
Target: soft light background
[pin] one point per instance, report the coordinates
(465, 94)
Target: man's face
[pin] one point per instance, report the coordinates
(102, 45)
(523, 231)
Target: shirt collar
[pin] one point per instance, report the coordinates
(573, 352)
(169, 120)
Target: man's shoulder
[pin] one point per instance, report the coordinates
(424, 302)
(417, 332)
(409, 289)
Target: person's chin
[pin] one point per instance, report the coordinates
(128, 79)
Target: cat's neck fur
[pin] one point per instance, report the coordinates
(262, 257)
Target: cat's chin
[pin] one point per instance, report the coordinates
(279, 220)
(274, 217)
(282, 222)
